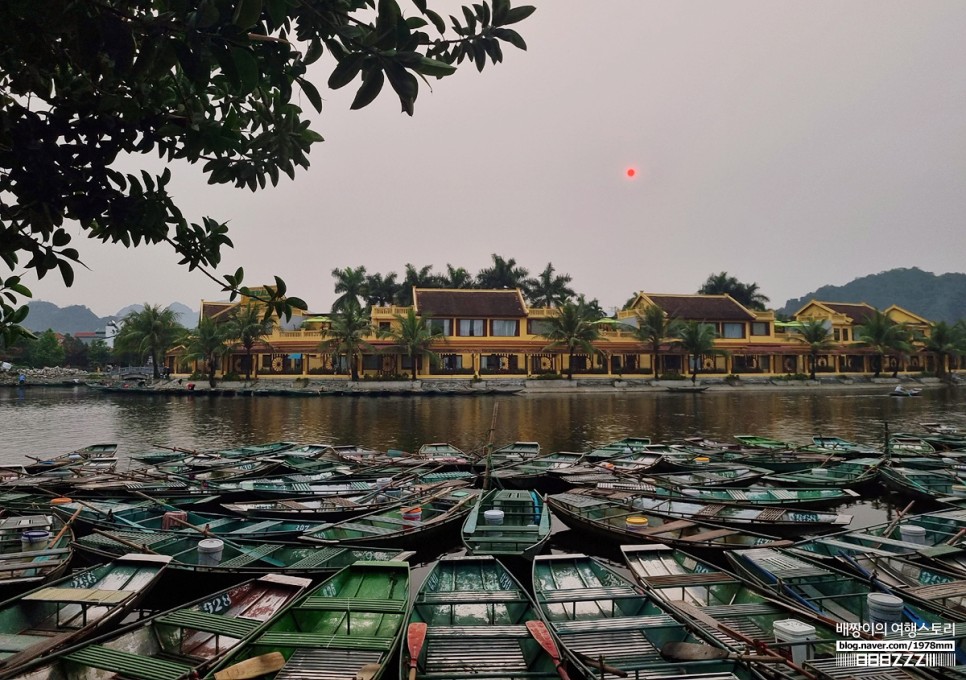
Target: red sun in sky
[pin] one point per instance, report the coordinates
(631, 172)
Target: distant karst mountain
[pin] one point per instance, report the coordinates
(80, 319)
(937, 298)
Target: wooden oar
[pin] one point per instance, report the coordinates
(538, 629)
(599, 664)
(368, 672)
(895, 522)
(689, 651)
(253, 668)
(65, 527)
(415, 637)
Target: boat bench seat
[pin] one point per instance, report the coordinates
(511, 528)
(256, 554)
(854, 547)
(258, 527)
(585, 594)
(400, 521)
(367, 528)
(216, 523)
(708, 535)
(92, 596)
(33, 564)
(312, 640)
(353, 604)
(664, 528)
(128, 665)
(478, 631)
(711, 578)
(472, 596)
(211, 623)
(615, 623)
(17, 643)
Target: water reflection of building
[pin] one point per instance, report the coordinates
(493, 334)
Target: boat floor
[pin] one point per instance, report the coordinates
(327, 664)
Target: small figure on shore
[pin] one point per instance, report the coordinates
(22, 379)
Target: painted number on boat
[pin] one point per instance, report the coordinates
(85, 580)
(217, 604)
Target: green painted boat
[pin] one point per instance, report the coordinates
(756, 442)
(237, 557)
(64, 611)
(599, 616)
(753, 495)
(853, 474)
(41, 556)
(507, 523)
(349, 626)
(405, 526)
(923, 485)
(475, 615)
(180, 643)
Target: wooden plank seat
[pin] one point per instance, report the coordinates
(282, 639)
(711, 578)
(585, 594)
(86, 596)
(33, 553)
(939, 591)
(213, 524)
(614, 623)
(709, 510)
(508, 528)
(855, 547)
(629, 650)
(741, 609)
(36, 564)
(353, 604)
(326, 664)
(128, 665)
(211, 623)
(709, 535)
(399, 520)
(478, 631)
(676, 525)
(472, 596)
(256, 528)
(367, 528)
(17, 643)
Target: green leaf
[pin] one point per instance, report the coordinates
(66, 272)
(519, 14)
(311, 92)
(246, 67)
(297, 303)
(247, 13)
(437, 20)
(315, 50)
(510, 36)
(371, 86)
(346, 70)
(500, 9)
(434, 67)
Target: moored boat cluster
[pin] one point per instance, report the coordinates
(737, 562)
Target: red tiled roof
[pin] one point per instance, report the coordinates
(859, 313)
(702, 307)
(442, 303)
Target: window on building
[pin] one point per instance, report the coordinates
(836, 334)
(452, 361)
(442, 326)
(471, 327)
(714, 327)
(733, 331)
(503, 328)
(759, 328)
(538, 326)
(385, 325)
(371, 362)
(845, 334)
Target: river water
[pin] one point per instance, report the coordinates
(42, 421)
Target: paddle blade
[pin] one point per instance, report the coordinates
(368, 672)
(415, 638)
(252, 668)
(540, 633)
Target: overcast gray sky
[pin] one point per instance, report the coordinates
(792, 144)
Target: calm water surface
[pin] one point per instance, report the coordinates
(43, 421)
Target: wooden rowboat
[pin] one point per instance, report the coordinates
(348, 626)
(600, 617)
(44, 561)
(471, 615)
(178, 643)
(523, 527)
(66, 610)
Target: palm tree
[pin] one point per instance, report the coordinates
(414, 336)
(574, 328)
(503, 274)
(417, 278)
(346, 335)
(653, 327)
(248, 325)
(382, 291)
(149, 332)
(549, 290)
(207, 343)
(457, 277)
(884, 336)
(746, 294)
(816, 334)
(697, 340)
(944, 341)
(352, 284)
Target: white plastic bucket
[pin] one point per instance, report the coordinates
(209, 552)
(383, 482)
(820, 472)
(493, 517)
(793, 630)
(35, 539)
(884, 610)
(913, 533)
(635, 523)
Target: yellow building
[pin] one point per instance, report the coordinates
(493, 333)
